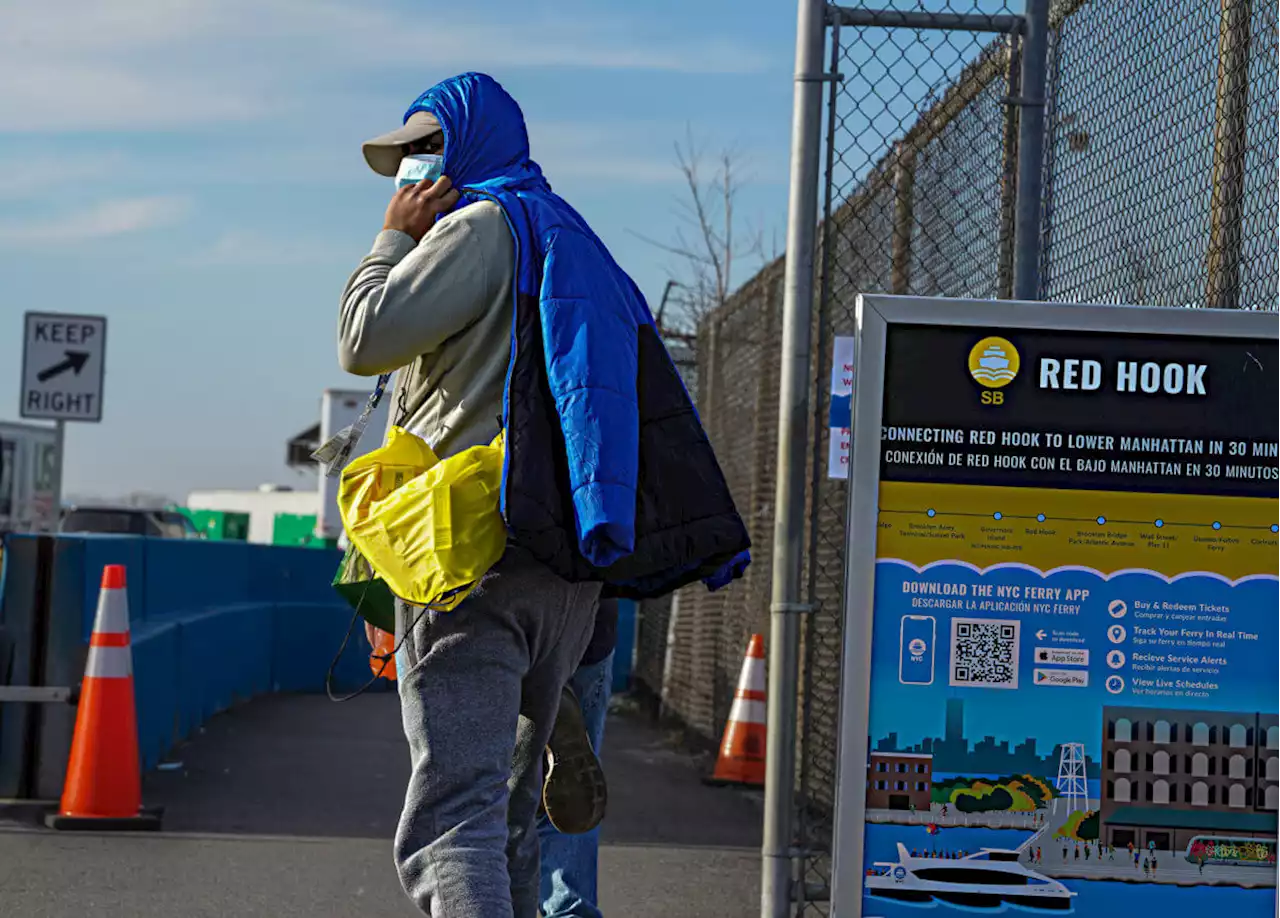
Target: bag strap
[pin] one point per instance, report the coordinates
(335, 453)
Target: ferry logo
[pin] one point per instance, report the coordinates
(994, 362)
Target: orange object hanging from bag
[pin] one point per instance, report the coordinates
(384, 645)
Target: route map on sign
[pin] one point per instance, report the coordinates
(1077, 531)
(63, 367)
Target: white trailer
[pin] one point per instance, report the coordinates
(339, 408)
(27, 469)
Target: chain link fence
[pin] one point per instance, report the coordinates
(1160, 188)
(1162, 162)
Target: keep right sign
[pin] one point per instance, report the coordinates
(63, 365)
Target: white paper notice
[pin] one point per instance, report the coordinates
(841, 414)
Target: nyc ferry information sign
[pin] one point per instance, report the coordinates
(1060, 672)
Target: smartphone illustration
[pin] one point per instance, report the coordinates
(917, 639)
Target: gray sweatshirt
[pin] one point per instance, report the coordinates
(441, 310)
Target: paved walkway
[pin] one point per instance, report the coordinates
(286, 806)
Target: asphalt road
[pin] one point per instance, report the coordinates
(286, 806)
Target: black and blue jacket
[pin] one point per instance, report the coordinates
(608, 475)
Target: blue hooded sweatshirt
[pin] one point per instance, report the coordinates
(594, 410)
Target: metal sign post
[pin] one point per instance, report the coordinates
(1062, 582)
(777, 848)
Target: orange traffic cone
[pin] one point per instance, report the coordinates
(103, 789)
(741, 758)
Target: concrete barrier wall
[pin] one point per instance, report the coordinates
(213, 623)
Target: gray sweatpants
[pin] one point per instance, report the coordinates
(479, 690)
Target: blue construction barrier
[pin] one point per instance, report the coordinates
(212, 623)
(625, 650)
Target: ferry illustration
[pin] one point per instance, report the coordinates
(987, 879)
(993, 366)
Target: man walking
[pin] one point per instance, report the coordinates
(502, 310)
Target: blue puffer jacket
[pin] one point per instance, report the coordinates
(609, 475)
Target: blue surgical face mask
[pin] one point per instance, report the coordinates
(420, 167)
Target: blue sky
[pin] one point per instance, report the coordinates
(191, 170)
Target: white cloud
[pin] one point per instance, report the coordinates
(252, 248)
(114, 217)
(601, 166)
(36, 175)
(41, 97)
(85, 65)
(213, 67)
(622, 152)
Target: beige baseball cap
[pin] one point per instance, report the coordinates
(383, 154)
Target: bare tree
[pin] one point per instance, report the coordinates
(707, 241)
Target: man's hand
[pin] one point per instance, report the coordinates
(414, 208)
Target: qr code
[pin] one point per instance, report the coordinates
(984, 653)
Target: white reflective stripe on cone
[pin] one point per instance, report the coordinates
(109, 663)
(747, 712)
(752, 678)
(113, 613)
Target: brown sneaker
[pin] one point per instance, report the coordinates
(574, 793)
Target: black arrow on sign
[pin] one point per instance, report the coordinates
(75, 361)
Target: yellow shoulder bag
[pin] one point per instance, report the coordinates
(430, 528)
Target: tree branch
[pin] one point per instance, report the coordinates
(705, 237)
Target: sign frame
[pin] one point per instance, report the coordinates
(31, 317)
(874, 313)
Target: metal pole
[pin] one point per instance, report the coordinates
(1047, 216)
(806, 892)
(1035, 64)
(942, 22)
(662, 307)
(904, 182)
(1226, 209)
(668, 654)
(59, 448)
(793, 422)
(34, 694)
(1009, 172)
